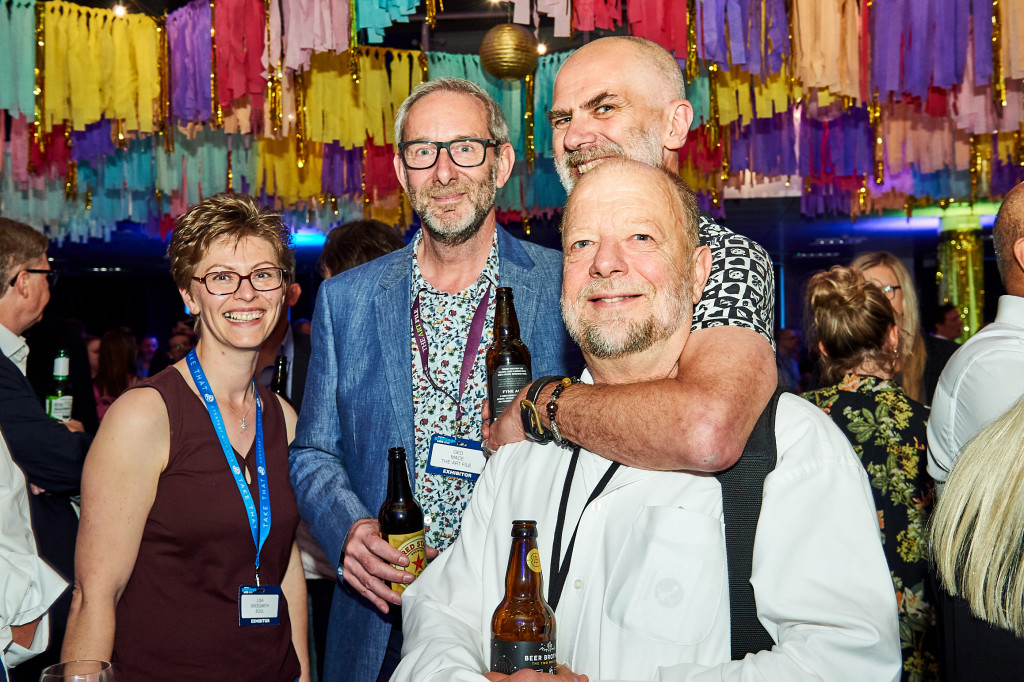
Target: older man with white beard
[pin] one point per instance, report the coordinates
(624, 97)
(644, 568)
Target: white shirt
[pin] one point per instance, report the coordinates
(14, 347)
(28, 586)
(646, 597)
(981, 381)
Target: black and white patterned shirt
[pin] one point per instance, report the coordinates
(741, 287)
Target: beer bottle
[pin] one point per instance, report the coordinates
(401, 519)
(58, 398)
(279, 384)
(508, 358)
(523, 625)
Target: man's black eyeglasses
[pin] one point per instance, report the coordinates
(51, 275)
(466, 152)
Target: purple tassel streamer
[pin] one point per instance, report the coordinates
(982, 12)
(711, 31)
(93, 142)
(188, 33)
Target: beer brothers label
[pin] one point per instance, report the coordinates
(506, 382)
(533, 560)
(508, 657)
(413, 546)
(59, 408)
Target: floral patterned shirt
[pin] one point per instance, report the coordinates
(887, 431)
(446, 322)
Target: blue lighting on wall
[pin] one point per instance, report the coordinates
(309, 239)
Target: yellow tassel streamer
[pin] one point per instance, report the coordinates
(88, 198)
(353, 41)
(40, 101)
(961, 274)
(122, 143)
(301, 112)
(218, 113)
(528, 123)
(691, 40)
(362, 185)
(231, 172)
(424, 66)
(275, 89)
(1019, 148)
(975, 165)
(431, 14)
(712, 126)
(998, 80)
(875, 119)
(166, 126)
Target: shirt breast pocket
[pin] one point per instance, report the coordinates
(669, 580)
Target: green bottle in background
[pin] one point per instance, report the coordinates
(58, 398)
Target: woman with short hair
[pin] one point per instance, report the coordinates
(186, 567)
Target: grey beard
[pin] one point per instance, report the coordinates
(590, 339)
(456, 237)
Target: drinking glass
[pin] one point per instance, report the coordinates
(78, 671)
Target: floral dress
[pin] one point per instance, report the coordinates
(887, 431)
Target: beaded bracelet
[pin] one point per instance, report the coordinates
(553, 410)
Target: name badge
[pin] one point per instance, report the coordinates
(259, 605)
(456, 457)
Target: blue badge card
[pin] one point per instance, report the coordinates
(457, 457)
(259, 604)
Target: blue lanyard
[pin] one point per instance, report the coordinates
(258, 524)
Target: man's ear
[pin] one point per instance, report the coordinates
(506, 159)
(680, 116)
(403, 179)
(1018, 253)
(291, 295)
(701, 271)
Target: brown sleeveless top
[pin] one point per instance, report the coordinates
(178, 617)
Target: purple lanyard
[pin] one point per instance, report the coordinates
(476, 333)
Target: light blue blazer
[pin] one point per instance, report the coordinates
(358, 403)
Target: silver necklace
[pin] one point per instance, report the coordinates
(243, 416)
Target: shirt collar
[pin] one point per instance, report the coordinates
(489, 276)
(14, 347)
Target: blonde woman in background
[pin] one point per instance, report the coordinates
(887, 272)
(855, 331)
(976, 543)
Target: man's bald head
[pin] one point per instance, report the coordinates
(1008, 238)
(638, 54)
(663, 187)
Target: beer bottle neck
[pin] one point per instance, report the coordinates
(521, 582)
(399, 489)
(506, 324)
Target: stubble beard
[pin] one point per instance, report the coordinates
(607, 340)
(641, 145)
(454, 232)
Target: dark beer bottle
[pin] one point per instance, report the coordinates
(401, 519)
(58, 397)
(523, 625)
(279, 384)
(508, 358)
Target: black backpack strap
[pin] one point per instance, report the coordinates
(742, 490)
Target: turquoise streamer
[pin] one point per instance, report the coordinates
(543, 91)
(18, 55)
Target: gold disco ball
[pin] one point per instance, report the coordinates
(509, 52)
